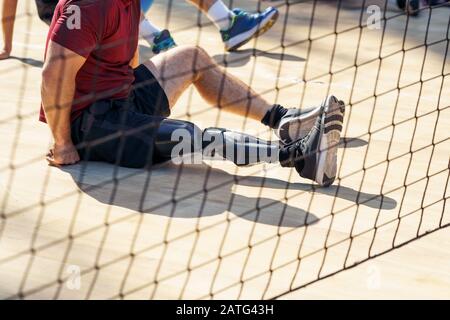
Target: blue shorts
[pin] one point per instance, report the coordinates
(122, 132)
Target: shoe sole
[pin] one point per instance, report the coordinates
(242, 39)
(298, 127)
(331, 128)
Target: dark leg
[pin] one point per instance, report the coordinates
(177, 139)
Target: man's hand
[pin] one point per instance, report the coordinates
(64, 154)
(4, 54)
(57, 91)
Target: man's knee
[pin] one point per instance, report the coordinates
(196, 54)
(177, 138)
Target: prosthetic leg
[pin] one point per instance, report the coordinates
(177, 140)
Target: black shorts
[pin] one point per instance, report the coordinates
(122, 132)
(46, 9)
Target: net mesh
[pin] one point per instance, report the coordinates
(214, 230)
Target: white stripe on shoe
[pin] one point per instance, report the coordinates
(332, 124)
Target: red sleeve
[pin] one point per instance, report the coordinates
(79, 28)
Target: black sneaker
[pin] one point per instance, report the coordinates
(410, 6)
(297, 123)
(315, 156)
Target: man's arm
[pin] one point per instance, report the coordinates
(57, 91)
(134, 63)
(8, 18)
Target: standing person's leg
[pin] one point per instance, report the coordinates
(8, 18)
(216, 11)
(410, 6)
(158, 39)
(237, 27)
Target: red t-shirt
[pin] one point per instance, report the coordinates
(107, 36)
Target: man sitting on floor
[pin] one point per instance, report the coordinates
(102, 106)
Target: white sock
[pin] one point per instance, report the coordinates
(220, 15)
(148, 31)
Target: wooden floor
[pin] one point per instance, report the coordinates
(398, 274)
(93, 231)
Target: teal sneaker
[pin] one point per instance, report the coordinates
(163, 42)
(245, 27)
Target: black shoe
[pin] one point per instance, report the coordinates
(410, 6)
(315, 156)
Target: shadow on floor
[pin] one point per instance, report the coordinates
(352, 143)
(231, 60)
(192, 191)
(242, 57)
(29, 61)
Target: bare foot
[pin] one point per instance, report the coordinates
(4, 54)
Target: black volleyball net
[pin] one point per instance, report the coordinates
(213, 230)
